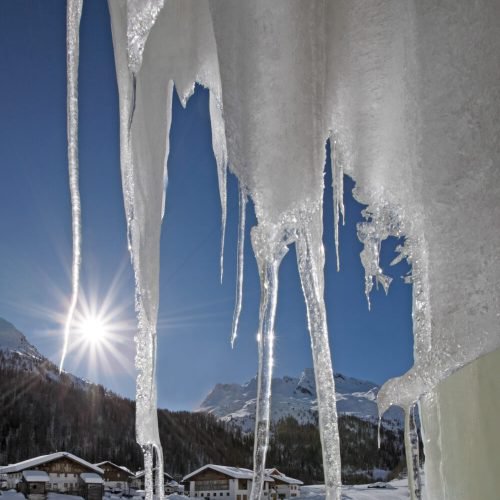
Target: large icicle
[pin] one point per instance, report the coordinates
(240, 265)
(141, 16)
(154, 50)
(144, 204)
(73, 16)
(269, 250)
(410, 89)
(310, 257)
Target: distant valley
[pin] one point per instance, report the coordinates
(44, 411)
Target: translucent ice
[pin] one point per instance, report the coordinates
(73, 15)
(407, 89)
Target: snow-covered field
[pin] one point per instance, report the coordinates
(395, 490)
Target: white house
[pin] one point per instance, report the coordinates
(63, 469)
(284, 486)
(116, 477)
(222, 482)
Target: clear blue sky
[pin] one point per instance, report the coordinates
(195, 310)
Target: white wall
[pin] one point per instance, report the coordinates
(461, 424)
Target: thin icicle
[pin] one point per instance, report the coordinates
(412, 455)
(310, 257)
(220, 151)
(240, 266)
(338, 194)
(269, 251)
(160, 478)
(148, 470)
(170, 92)
(73, 16)
(378, 431)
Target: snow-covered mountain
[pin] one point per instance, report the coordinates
(18, 354)
(296, 397)
(13, 341)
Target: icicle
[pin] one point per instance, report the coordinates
(148, 470)
(160, 478)
(378, 431)
(269, 250)
(310, 257)
(170, 92)
(412, 454)
(220, 151)
(73, 16)
(141, 16)
(338, 193)
(143, 184)
(382, 222)
(240, 266)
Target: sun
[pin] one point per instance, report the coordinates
(93, 329)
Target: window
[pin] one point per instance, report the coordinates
(221, 493)
(217, 484)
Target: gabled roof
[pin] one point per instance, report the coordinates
(279, 476)
(36, 476)
(91, 478)
(120, 467)
(33, 462)
(141, 473)
(234, 472)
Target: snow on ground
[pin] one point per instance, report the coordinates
(11, 495)
(60, 496)
(395, 490)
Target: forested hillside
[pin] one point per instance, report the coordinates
(42, 412)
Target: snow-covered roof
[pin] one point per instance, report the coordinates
(234, 472)
(121, 467)
(141, 473)
(91, 478)
(43, 459)
(38, 476)
(279, 476)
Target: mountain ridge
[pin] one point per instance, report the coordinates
(44, 411)
(296, 397)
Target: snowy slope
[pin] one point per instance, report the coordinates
(13, 341)
(295, 396)
(18, 354)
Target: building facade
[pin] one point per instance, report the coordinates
(138, 481)
(221, 482)
(284, 486)
(116, 477)
(62, 468)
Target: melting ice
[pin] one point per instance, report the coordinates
(406, 90)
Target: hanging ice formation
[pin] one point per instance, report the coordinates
(73, 15)
(406, 90)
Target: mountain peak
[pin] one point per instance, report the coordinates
(12, 340)
(293, 396)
